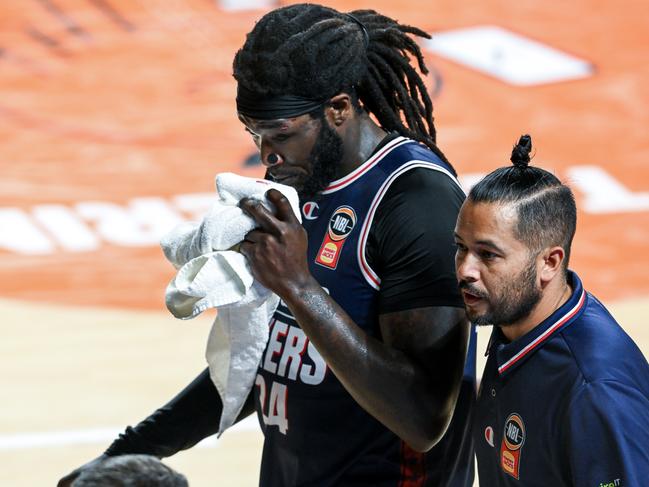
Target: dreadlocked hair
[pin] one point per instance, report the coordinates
(317, 52)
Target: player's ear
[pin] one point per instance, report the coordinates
(338, 109)
(551, 263)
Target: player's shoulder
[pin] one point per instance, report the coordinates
(602, 350)
(411, 151)
(424, 178)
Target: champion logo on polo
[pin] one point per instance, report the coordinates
(489, 436)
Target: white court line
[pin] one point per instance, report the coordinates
(24, 441)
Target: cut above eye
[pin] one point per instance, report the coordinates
(281, 137)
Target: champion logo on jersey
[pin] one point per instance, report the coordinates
(512, 445)
(310, 210)
(341, 224)
(489, 436)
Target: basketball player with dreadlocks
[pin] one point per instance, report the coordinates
(365, 367)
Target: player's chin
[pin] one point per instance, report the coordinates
(476, 316)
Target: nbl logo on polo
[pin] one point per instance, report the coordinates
(512, 445)
(341, 224)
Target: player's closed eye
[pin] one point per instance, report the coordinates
(281, 137)
(486, 255)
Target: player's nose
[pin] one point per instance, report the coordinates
(466, 268)
(271, 159)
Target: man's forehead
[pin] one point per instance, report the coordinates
(487, 221)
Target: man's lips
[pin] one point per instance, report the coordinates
(470, 295)
(281, 177)
(470, 299)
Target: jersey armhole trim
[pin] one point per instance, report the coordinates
(368, 273)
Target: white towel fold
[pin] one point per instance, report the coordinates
(211, 276)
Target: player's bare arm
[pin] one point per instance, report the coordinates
(410, 380)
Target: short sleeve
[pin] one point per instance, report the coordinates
(608, 436)
(410, 245)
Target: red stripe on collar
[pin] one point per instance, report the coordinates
(366, 166)
(545, 335)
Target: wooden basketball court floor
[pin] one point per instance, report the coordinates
(116, 115)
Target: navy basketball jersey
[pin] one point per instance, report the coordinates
(316, 434)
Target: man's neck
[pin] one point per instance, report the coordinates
(360, 144)
(554, 296)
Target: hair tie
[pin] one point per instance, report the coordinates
(366, 35)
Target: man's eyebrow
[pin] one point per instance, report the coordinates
(490, 243)
(272, 124)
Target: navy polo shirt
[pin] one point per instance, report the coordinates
(567, 404)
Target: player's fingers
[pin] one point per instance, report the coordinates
(253, 236)
(284, 209)
(264, 218)
(244, 248)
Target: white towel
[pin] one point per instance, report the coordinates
(225, 224)
(211, 276)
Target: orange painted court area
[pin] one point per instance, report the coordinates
(116, 115)
(109, 101)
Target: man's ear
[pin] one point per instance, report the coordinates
(339, 109)
(551, 264)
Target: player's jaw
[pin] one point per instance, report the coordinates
(510, 300)
(312, 177)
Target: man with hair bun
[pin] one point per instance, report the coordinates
(365, 379)
(564, 398)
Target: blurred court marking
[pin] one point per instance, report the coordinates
(97, 436)
(51, 228)
(507, 56)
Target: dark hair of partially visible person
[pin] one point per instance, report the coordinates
(316, 52)
(547, 214)
(131, 471)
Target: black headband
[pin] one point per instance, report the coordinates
(271, 107)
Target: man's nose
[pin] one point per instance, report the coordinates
(268, 156)
(272, 159)
(466, 268)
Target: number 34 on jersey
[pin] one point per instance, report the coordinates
(291, 357)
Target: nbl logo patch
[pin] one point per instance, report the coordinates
(341, 224)
(512, 444)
